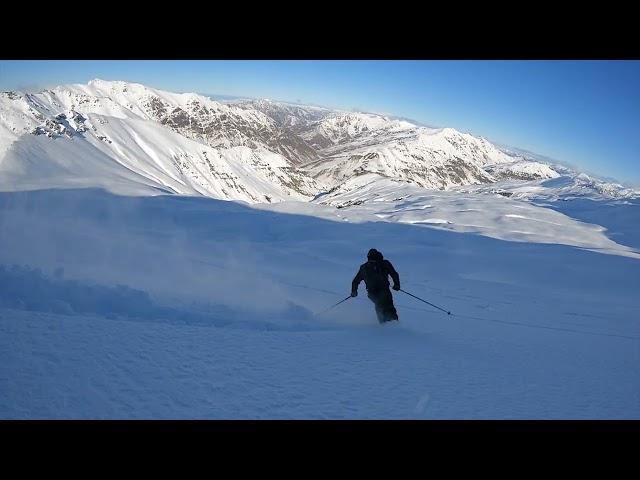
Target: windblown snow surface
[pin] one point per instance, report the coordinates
(170, 306)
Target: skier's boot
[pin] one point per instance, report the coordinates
(391, 314)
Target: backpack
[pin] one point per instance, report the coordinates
(375, 275)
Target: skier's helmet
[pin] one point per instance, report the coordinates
(374, 254)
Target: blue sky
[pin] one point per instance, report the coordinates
(586, 113)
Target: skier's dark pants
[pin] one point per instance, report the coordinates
(383, 301)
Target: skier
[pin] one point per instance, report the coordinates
(375, 275)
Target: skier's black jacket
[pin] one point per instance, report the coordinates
(375, 275)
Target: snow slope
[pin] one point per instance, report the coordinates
(539, 330)
(485, 213)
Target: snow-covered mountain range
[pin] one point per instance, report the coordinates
(130, 138)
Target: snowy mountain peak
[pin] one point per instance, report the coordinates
(131, 138)
(344, 126)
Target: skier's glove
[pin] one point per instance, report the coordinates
(396, 287)
(354, 293)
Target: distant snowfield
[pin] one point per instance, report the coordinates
(488, 214)
(545, 326)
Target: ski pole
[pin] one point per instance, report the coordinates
(333, 306)
(448, 313)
